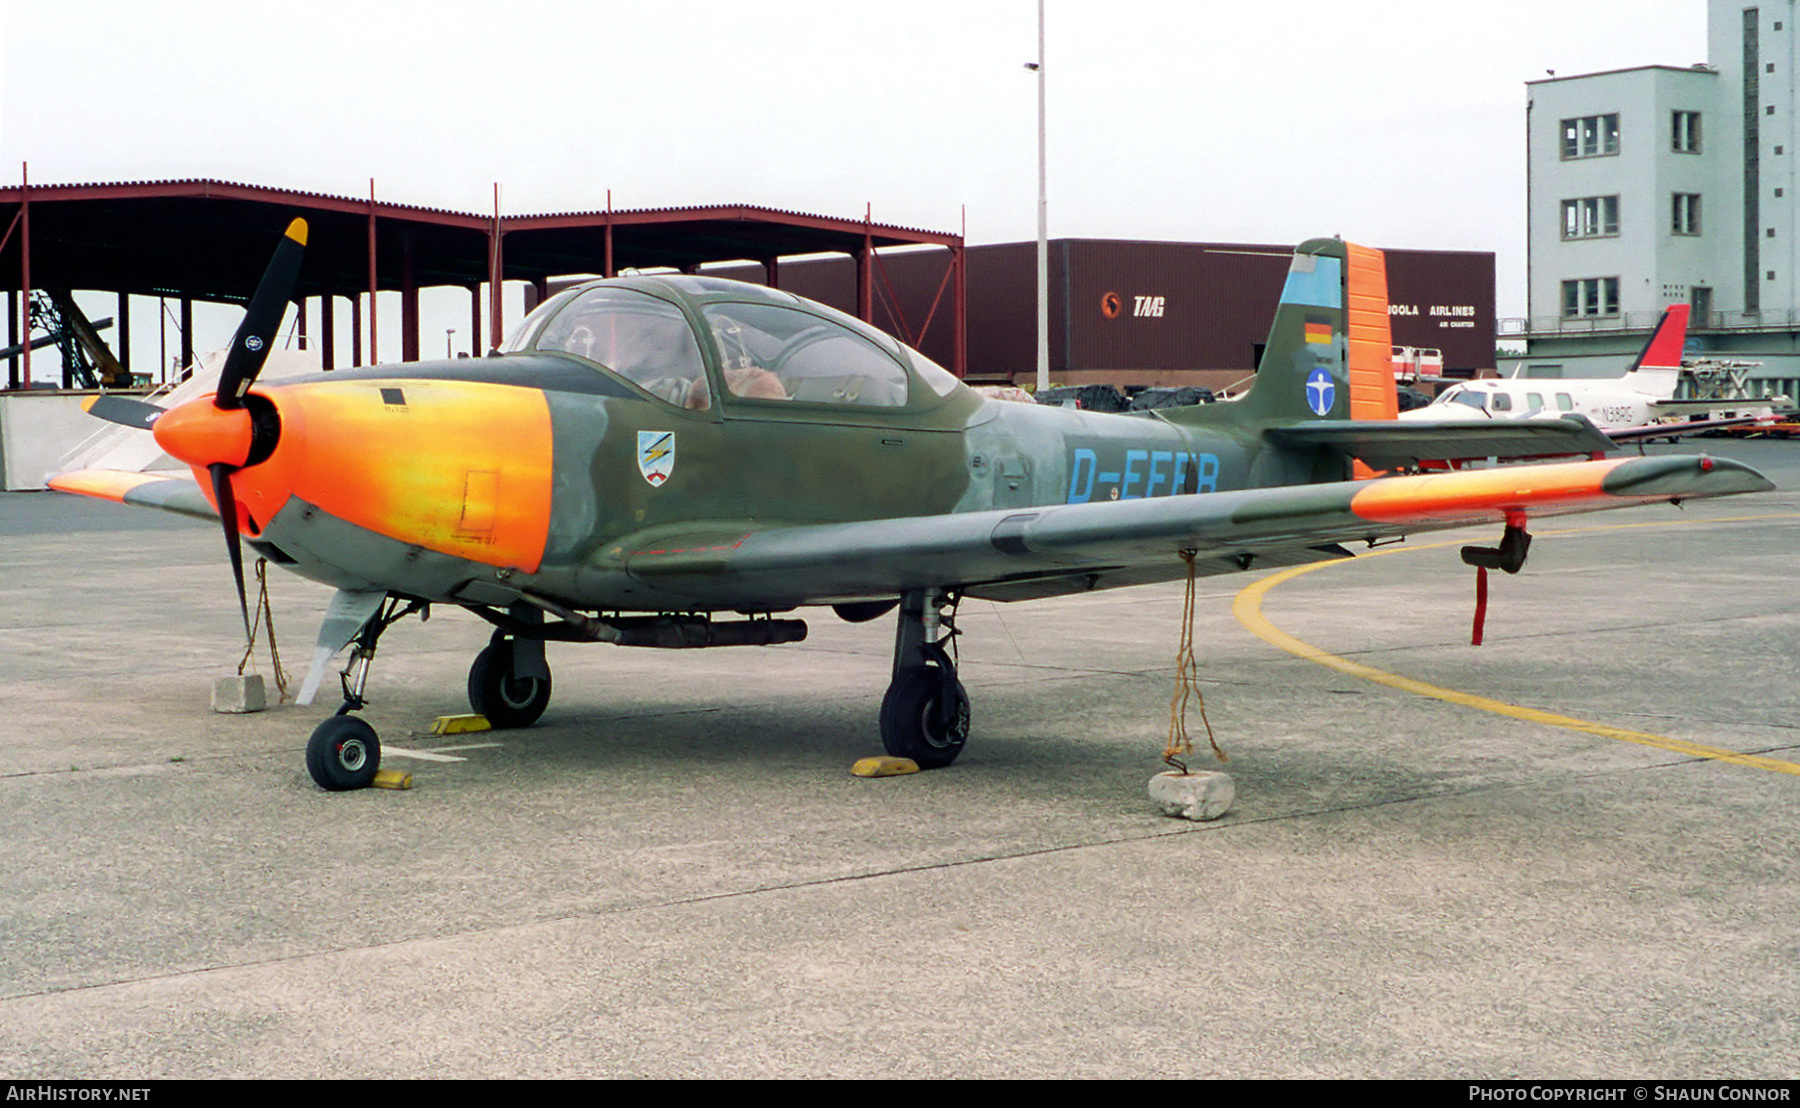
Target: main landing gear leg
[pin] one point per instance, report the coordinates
(509, 683)
(344, 752)
(925, 714)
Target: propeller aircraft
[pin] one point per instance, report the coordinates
(682, 462)
(1636, 406)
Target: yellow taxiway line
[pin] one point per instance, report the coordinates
(1247, 607)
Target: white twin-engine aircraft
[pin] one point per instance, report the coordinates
(1637, 405)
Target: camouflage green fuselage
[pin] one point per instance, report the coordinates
(661, 448)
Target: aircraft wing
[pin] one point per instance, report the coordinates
(1770, 404)
(1682, 429)
(1014, 554)
(1405, 444)
(170, 493)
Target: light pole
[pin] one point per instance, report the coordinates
(1043, 225)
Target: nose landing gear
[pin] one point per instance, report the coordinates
(344, 752)
(509, 684)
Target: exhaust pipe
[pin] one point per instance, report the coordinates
(695, 632)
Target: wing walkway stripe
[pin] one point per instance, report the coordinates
(1247, 607)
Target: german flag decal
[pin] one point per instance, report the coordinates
(1317, 329)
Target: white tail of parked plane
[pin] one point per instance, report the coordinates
(1658, 367)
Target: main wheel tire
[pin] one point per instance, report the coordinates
(912, 722)
(343, 754)
(498, 693)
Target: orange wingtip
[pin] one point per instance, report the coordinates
(103, 484)
(1480, 494)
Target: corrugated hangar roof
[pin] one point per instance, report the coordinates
(209, 239)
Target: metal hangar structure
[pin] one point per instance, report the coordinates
(208, 240)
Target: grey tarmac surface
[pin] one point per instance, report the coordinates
(675, 875)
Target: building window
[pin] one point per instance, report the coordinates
(1685, 133)
(1685, 218)
(1590, 136)
(1590, 217)
(1590, 296)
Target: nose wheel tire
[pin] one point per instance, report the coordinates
(343, 754)
(925, 717)
(497, 692)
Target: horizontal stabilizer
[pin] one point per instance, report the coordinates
(1393, 444)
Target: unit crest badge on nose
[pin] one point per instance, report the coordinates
(656, 455)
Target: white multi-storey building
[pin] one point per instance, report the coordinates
(1661, 185)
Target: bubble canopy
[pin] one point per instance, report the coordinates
(696, 341)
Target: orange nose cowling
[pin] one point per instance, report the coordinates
(201, 434)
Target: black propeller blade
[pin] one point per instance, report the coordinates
(222, 495)
(249, 350)
(250, 346)
(198, 436)
(123, 410)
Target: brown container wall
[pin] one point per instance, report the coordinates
(915, 300)
(1444, 299)
(1003, 310)
(1171, 306)
(1139, 312)
(913, 292)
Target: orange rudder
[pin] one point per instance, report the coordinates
(1371, 366)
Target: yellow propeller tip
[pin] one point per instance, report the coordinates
(297, 231)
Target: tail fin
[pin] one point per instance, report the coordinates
(1330, 350)
(1658, 367)
(1663, 351)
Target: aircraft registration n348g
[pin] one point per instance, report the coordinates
(682, 462)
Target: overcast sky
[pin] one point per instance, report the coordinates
(1390, 122)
